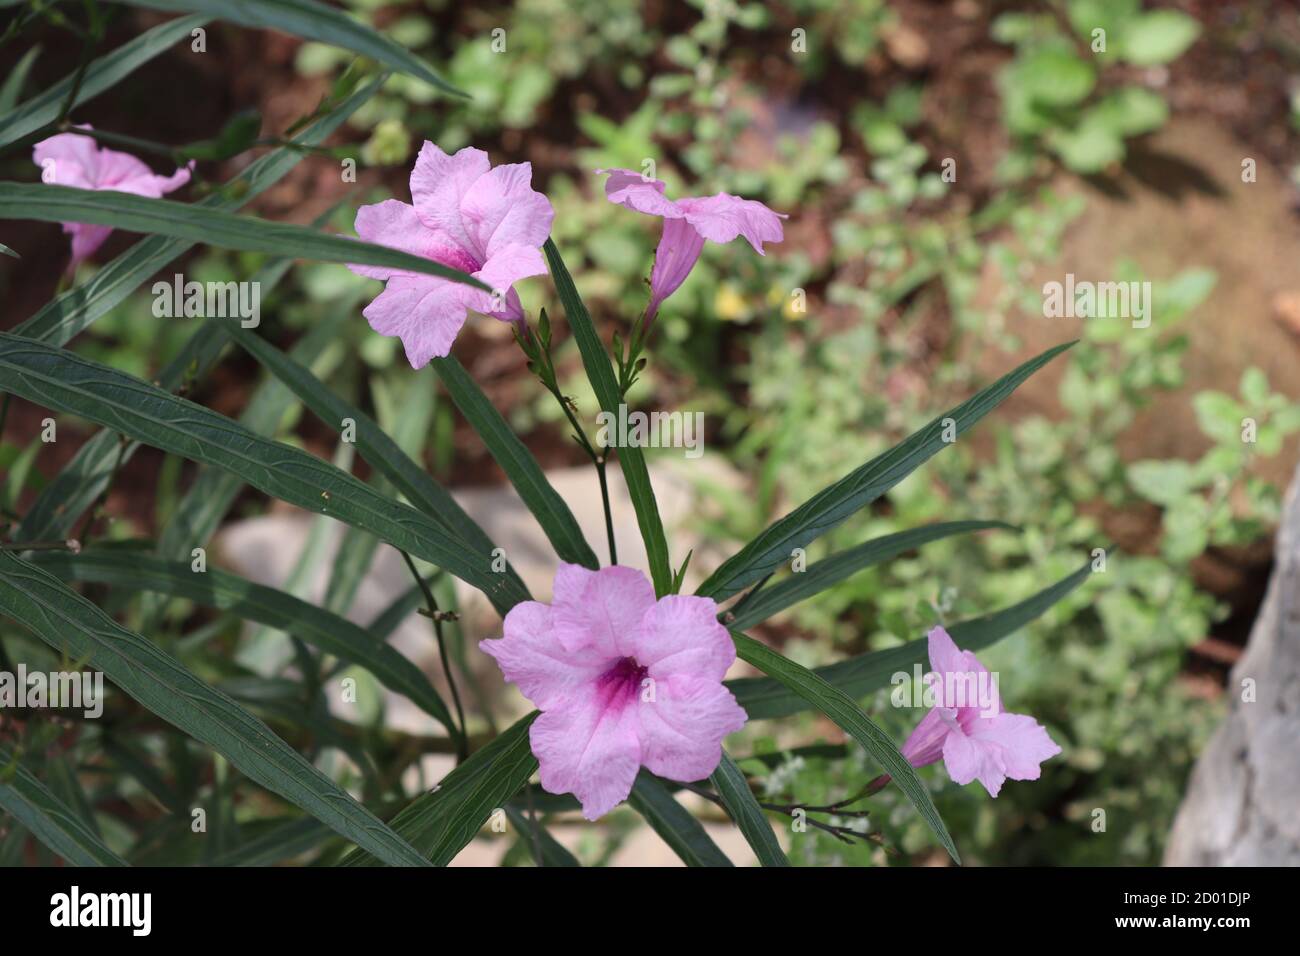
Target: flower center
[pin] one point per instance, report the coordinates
(621, 684)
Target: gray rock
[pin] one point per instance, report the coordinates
(1242, 806)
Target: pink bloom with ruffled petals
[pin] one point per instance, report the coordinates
(469, 215)
(687, 223)
(977, 740)
(623, 681)
(70, 159)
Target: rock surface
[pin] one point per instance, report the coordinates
(1242, 806)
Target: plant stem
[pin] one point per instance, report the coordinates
(69, 544)
(462, 736)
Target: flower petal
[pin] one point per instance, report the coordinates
(925, 744)
(633, 191)
(438, 185)
(608, 613)
(502, 209)
(681, 635)
(683, 726)
(945, 656)
(679, 249)
(1020, 742)
(395, 224)
(425, 312)
(531, 657)
(508, 265)
(85, 240)
(967, 760)
(588, 750)
(68, 159)
(723, 217)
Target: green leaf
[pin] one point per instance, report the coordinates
(597, 363)
(372, 442)
(544, 848)
(850, 718)
(440, 823)
(823, 574)
(207, 224)
(1219, 415)
(101, 74)
(1089, 147)
(834, 504)
(12, 90)
(311, 21)
(254, 602)
(1162, 482)
(743, 808)
(1131, 111)
(68, 314)
(71, 624)
(518, 463)
(1158, 37)
(214, 490)
(682, 832)
(285, 841)
(48, 819)
(390, 618)
(1054, 76)
(54, 378)
(764, 698)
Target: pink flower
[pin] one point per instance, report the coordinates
(470, 216)
(687, 223)
(70, 159)
(623, 682)
(976, 739)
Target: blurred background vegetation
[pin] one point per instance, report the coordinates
(935, 159)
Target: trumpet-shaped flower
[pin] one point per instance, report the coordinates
(71, 159)
(687, 223)
(623, 681)
(976, 739)
(466, 214)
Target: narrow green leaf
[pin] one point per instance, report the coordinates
(373, 444)
(544, 848)
(74, 310)
(743, 808)
(71, 624)
(229, 592)
(682, 832)
(440, 823)
(196, 222)
(311, 21)
(390, 618)
(834, 504)
(214, 490)
(48, 819)
(597, 363)
(57, 379)
(80, 482)
(850, 718)
(285, 841)
(822, 574)
(518, 463)
(101, 74)
(763, 697)
(12, 90)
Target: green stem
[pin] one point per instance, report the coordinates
(461, 733)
